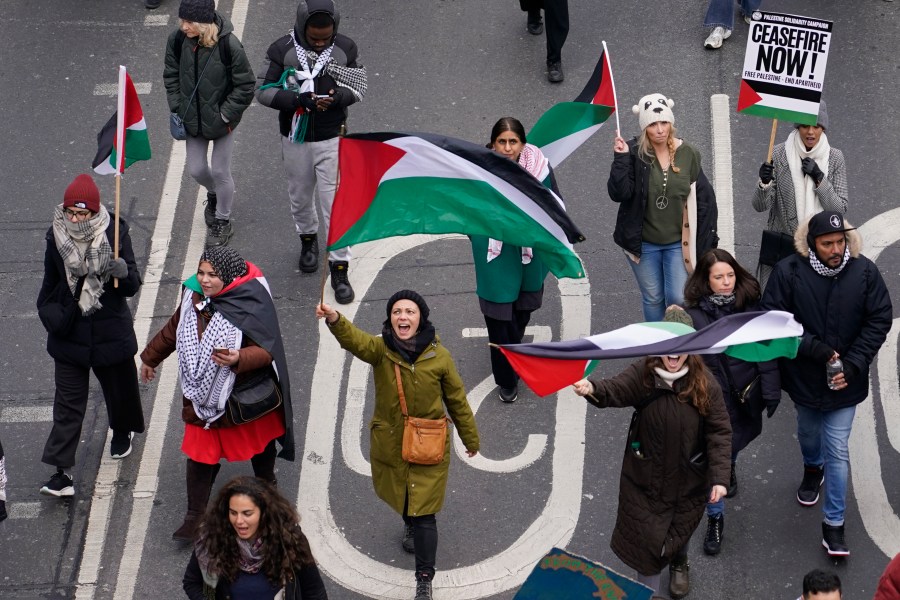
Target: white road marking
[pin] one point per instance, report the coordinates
(26, 414)
(112, 89)
(354, 570)
(889, 386)
(722, 179)
(23, 510)
(156, 20)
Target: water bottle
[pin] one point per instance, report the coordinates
(832, 368)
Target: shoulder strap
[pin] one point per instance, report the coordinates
(400, 391)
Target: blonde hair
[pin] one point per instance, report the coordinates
(645, 148)
(209, 33)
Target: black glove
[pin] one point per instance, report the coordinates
(772, 406)
(766, 172)
(307, 100)
(810, 168)
(850, 371)
(820, 351)
(118, 268)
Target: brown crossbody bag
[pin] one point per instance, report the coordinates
(424, 440)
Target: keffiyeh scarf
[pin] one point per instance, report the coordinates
(824, 270)
(532, 160)
(203, 382)
(85, 252)
(249, 561)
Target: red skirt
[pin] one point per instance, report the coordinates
(234, 444)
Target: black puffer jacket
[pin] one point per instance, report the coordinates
(105, 337)
(850, 312)
(627, 185)
(283, 54)
(746, 418)
(217, 96)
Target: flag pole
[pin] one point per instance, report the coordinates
(120, 159)
(337, 182)
(772, 140)
(612, 81)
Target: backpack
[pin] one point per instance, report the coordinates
(224, 53)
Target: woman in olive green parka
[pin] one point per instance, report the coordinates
(430, 383)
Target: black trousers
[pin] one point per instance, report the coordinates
(425, 538)
(119, 384)
(556, 18)
(506, 332)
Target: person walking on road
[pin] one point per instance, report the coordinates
(251, 547)
(676, 459)
(509, 279)
(557, 16)
(83, 305)
(719, 287)
(667, 208)
(209, 84)
(410, 365)
(227, 338)
(720, 17)
(805, 177)
(840, 298)
(311, 76)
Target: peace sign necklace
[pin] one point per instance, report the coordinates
(663, 201)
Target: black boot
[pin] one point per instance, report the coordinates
(732, 483)
(209, 211)
(200, 478)
(679, 577)
(423, 586)
(833, 540)
(343, 292)
(264, 464)
(712, 545)
(219, 233)
(808, 492)
(535, 25)
(309, 253)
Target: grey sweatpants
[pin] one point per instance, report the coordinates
(215, 176)
(311, 169)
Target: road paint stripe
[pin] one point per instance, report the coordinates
(112, 89)
(352, 569)
(156, 20)
(889, 386)
(23, 510)
(26, 414)
(722, 176)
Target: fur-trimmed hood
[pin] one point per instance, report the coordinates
(802, 246)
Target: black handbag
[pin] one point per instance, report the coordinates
(775, 246)
(58, 314)
(254, 397)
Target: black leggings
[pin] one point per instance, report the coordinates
(264, 463)
(425, 537)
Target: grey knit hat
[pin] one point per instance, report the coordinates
(676, 314)
(197, 11)
(822, 120)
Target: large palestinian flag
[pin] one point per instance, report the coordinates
(751, 336)
(399, 184)
(126, 129)
(567, 125)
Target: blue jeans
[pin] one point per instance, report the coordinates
(661, 277)
(714, 509)
(823, 438)
(721, 12)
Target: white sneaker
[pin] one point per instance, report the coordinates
(715, 39)
(748, 20)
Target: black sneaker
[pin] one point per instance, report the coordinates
(423, 587)
(152, 4)
(309, 253)
(732, 483)
(343, 291)
(59, 485)
(219, 233)
(712, 545)
(120, 446)
(535, 27)
(833, 540)
(808, 492)
(555, 72)
(209, 211)
(509, 395)
(409, 543)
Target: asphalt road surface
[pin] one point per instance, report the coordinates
(548, 471)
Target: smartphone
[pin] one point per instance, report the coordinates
(322, 96)
(220, 350)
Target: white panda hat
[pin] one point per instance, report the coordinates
(652, 108)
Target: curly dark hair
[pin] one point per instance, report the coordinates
(284, 545)
(746, 287)
(695, 387)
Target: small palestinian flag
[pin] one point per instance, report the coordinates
(567, 125)
(125, 129)
(400, 184)
(750, 336)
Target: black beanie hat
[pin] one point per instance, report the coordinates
(197, 11)
(408, 295)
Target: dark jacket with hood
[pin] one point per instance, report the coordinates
(629, 179)
(282, 54)
(851, 313)
(218, 95)
(105, 337)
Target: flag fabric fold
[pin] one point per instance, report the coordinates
(394, 184)
(126, 129)
(752, 336)
(567, 125)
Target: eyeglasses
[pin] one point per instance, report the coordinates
(78, 215)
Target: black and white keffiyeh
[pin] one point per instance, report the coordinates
(352, 78)
(823, 270)
(203, 382)
(85, 252)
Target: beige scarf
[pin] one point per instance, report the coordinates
(86, 253)
(805, 196)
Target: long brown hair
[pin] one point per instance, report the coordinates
(284, 545)
(746, 287)
(694, 386)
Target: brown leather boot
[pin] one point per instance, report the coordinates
(679, 577)
(199, 478)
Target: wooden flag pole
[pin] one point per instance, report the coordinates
(116, 228)
(772, 140)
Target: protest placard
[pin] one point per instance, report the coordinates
(784, 67)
